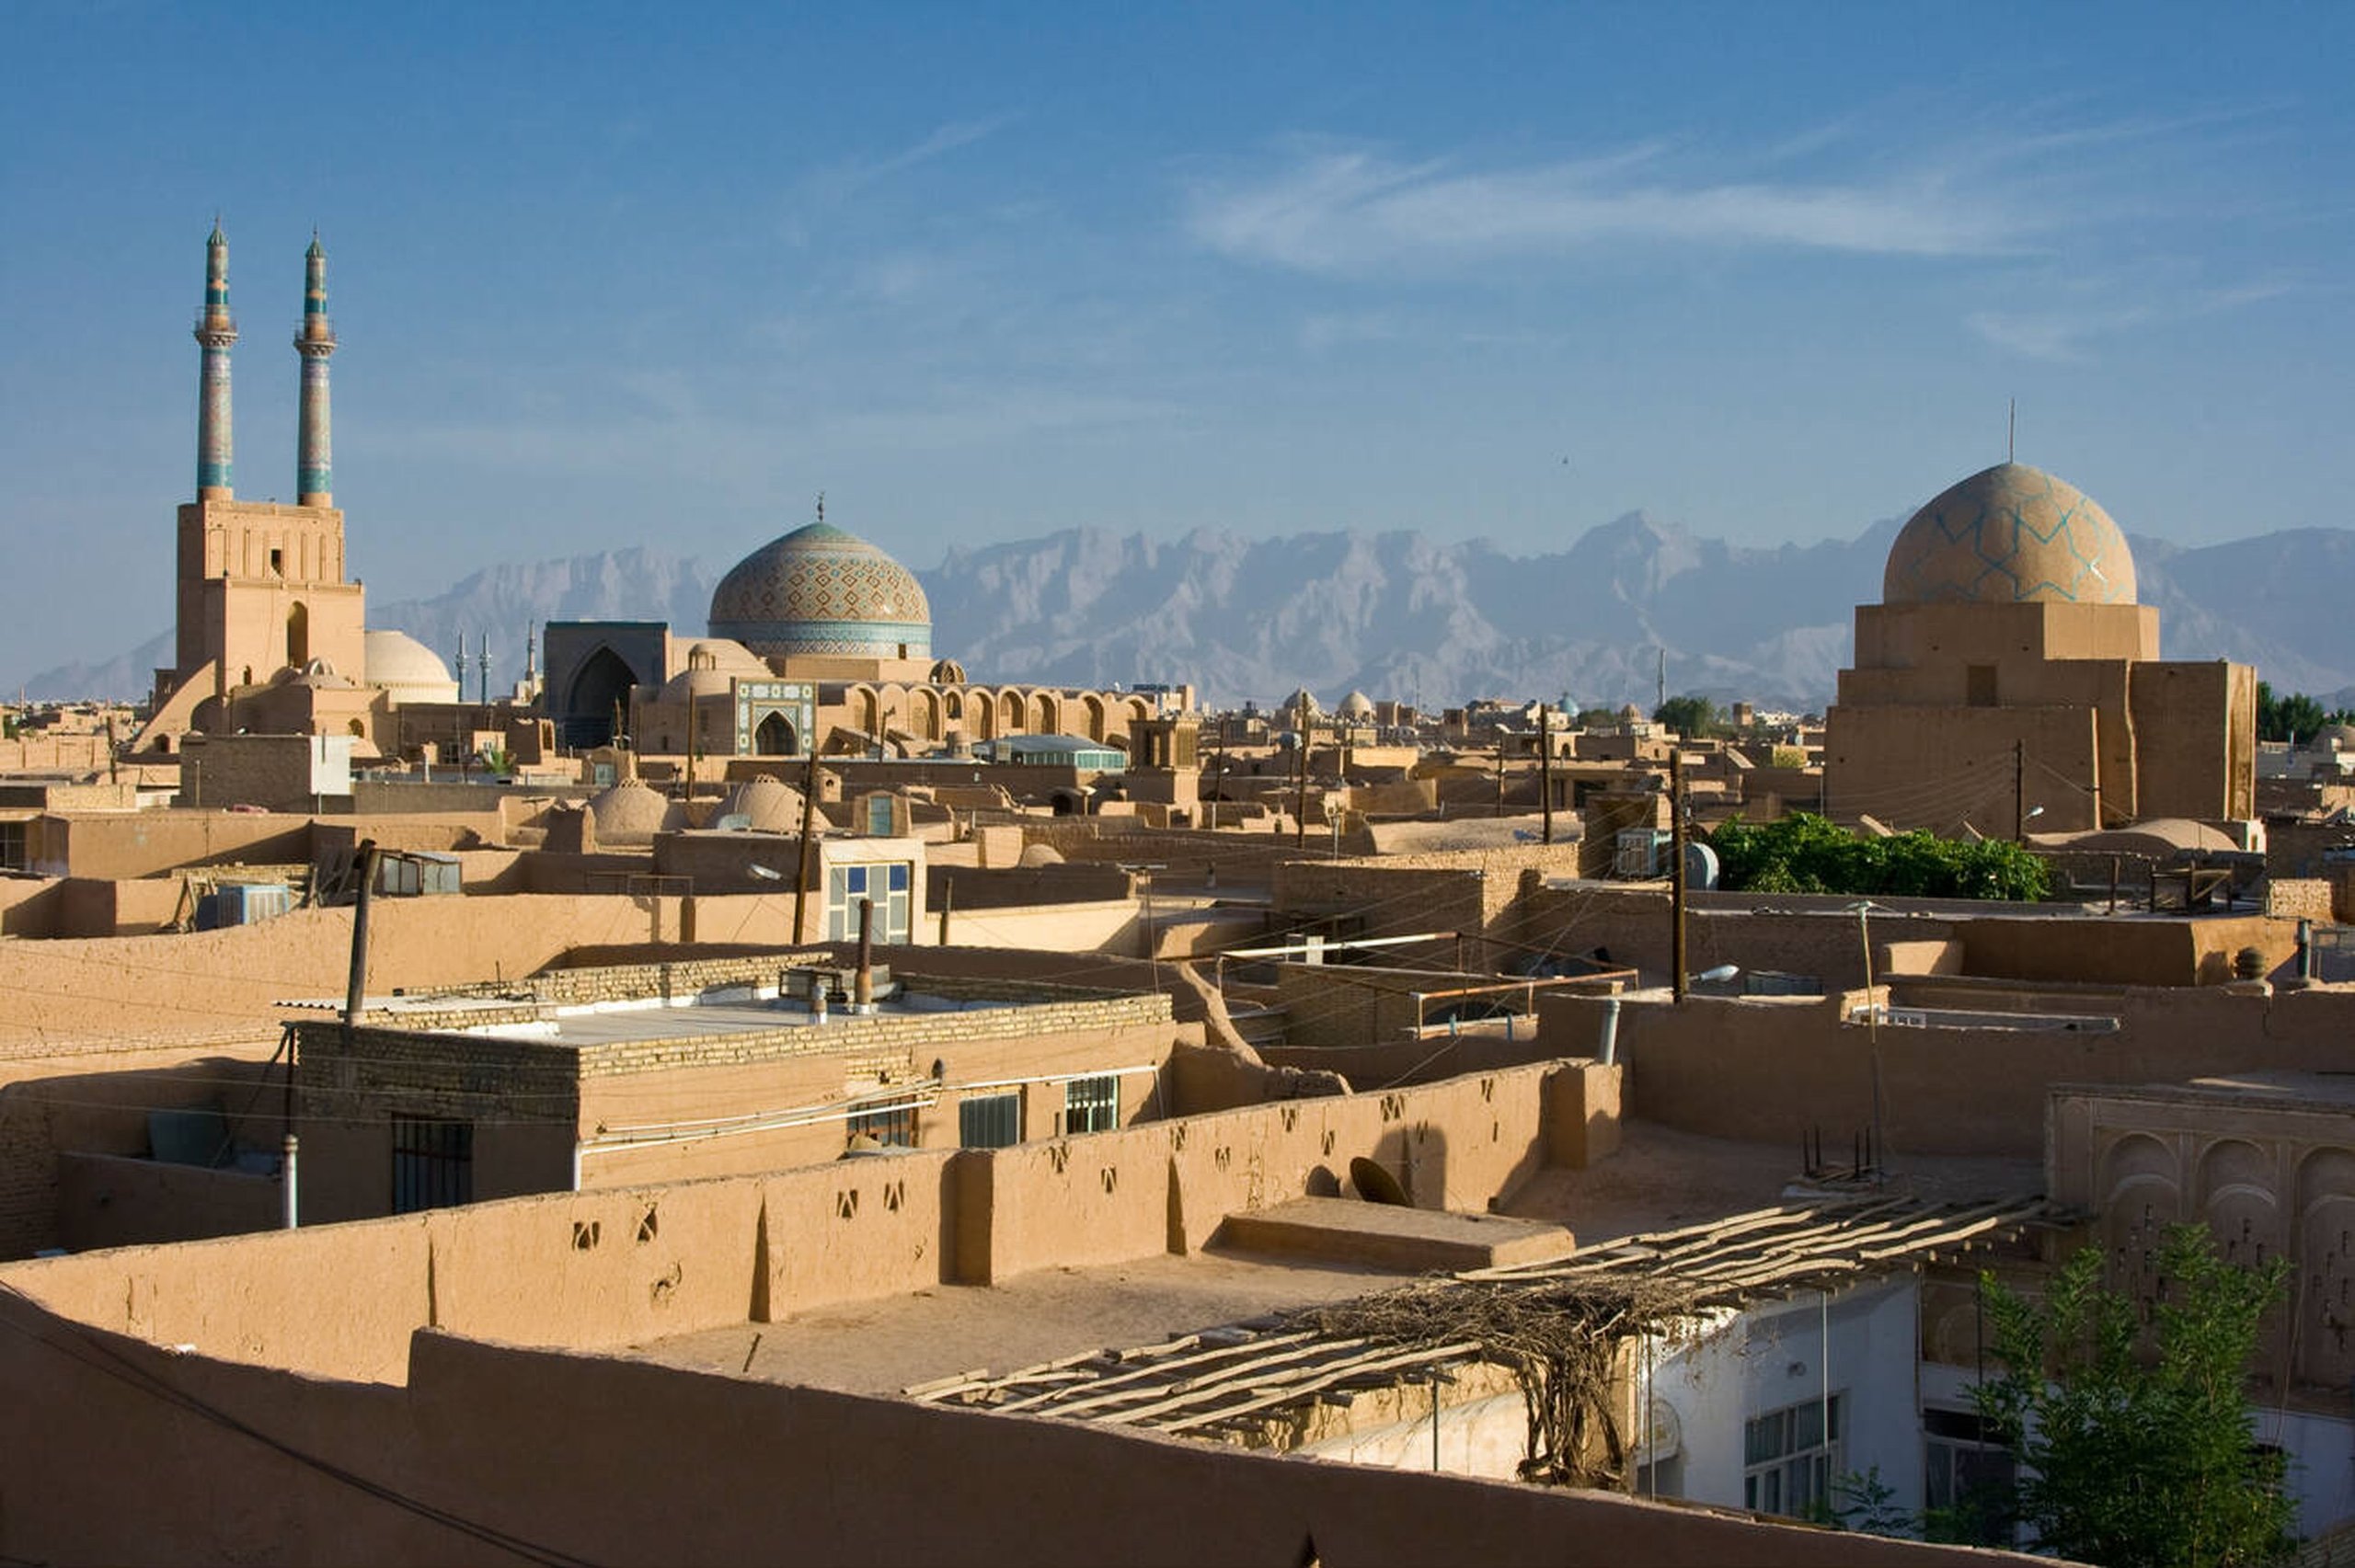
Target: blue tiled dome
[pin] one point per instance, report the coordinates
(821, 590)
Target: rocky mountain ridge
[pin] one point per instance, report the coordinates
(1400, 614)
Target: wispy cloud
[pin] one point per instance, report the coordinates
(2068, 332)
(1354, 211)
(844, 180)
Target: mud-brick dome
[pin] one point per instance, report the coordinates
(822, 590)
(2010, 534)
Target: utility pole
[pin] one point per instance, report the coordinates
(1500, 773)
(1545, 776)
(354, 998)
(1676, 867)
(809, 819)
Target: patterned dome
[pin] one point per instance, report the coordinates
(2010, 534)
(821, 590)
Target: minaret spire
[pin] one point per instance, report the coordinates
(315, 341)
(216, 329)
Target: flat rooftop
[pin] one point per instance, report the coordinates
(1660, 1180)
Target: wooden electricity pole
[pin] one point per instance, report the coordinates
(1545, 775)
(1676, 868)
(809, 816)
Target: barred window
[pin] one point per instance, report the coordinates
(433, 1163)
(990, 1121)
(1092, 1104)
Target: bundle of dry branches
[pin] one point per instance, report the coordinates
(1559, 1338)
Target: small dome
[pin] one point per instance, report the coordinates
(1357, 704)
(2332, 737)
(821, 590)
(695, 680)
(1301, 700)
(766, 806)
(2010, 534)
(630, 811)
(398, 663)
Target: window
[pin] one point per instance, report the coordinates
(1789, 1459)
(878, 816)
(1970, 1476)
(12, 846)
(1092, 1104)
(887, 883)
(1978, 684)
(893, 1125)
(990, 1121)
(433, 1163)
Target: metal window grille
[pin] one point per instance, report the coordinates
(894, 1127)
(433, 1163)
(1789, 1459)
(990, 1121)
(1092, 1104)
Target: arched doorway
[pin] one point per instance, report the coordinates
(1050, 716)
(1094, 707)
(298, 635)
(1011, 718)
(775, 737)
(599, 688)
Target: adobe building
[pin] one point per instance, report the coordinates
(817, 640)
(2008, 667)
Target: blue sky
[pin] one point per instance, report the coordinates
(609, 275)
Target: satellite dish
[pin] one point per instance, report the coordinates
(1700, 867)
(734, 822)
(1376, 1185)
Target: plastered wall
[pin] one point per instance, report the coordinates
(1766, 1069)
(614, 1460)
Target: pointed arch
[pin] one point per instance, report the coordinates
(600, 684)
(298, 635)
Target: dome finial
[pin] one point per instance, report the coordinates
(821, 506)
(2012, 432)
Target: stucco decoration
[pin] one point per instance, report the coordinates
(821, 590)
(2010, 534)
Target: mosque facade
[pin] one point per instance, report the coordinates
(817, 640)
(271, 631)
(2009, 680)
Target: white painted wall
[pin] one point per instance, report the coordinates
(1775, 1355)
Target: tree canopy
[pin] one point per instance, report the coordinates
(1806, 853)
(1690, 716)
(2133, 1428)
(2293, 717)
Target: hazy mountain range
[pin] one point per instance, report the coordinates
(1401, 615)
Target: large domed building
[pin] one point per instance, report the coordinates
(2010, 534)
(817, 640)
(2009, 674)
(821, 590)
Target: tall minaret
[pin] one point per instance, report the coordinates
(216, 330)
(314, 462)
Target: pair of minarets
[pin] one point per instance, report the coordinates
(216, 330)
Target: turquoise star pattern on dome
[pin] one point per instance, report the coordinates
(821, 590)
(2010, 534)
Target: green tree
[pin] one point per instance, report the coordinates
(2132, 1425)
(1806, 853)
(1690, 716)
(2295, 716)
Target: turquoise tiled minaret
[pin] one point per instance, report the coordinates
(314, 460)
(216, 329)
